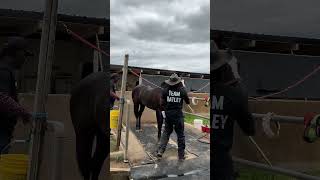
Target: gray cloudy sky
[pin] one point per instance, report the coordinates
(166, 34)
(300, 18)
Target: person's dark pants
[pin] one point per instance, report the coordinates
(174, 120)
(222, 165)
(5, 138)
(112, 104)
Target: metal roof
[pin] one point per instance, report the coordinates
(80, 8)
(266, 43)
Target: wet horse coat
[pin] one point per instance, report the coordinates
(88, 108)
(144, 96)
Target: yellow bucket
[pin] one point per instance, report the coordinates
(114, 115)
(13, 167)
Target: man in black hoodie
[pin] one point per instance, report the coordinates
(172, 99)
(229, 104)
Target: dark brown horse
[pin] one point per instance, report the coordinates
(143, 96)
(89, 109)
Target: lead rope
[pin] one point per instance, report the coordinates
(260, 150)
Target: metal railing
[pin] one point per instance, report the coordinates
(284, 119)
(275, 169)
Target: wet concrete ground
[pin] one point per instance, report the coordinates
(196, 166)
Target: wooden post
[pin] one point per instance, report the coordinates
(42, 89)
(122, 98)
(95, 61)
(127, 133)
(99, 54)
(140, 79)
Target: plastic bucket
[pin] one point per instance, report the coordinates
(197, 123)
(114, 115)
(13, 167)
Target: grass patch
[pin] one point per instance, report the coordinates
(255, 174)
(188, 118)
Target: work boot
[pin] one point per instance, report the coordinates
(159, 153)
(181, 156)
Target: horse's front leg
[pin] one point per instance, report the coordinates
(137, 123)
(138, 116)
(160, 122)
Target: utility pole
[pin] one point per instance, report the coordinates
(43, 82)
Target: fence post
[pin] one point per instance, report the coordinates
(127, 133)
(100, 64)
(43, 82)
(122, 99)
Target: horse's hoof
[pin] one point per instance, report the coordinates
(138, 130)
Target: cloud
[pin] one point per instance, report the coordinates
(285, 17)
(168, 34)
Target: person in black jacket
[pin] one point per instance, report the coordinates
(172, 99)
(113, 96)
(229, 104)
(12, 57)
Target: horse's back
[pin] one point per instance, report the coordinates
(88, 103)
(147, 96)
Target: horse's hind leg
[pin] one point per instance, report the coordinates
(160, 122)
(101, 152)
(136, 113)
(83, 150)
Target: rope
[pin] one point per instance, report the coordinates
(144, 78)
(202, 87)
(260, 151)
(204, 136)
(291, 86)
(266, 125)
(76, 36)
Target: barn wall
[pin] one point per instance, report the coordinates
(66, 70)
(275, 72)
